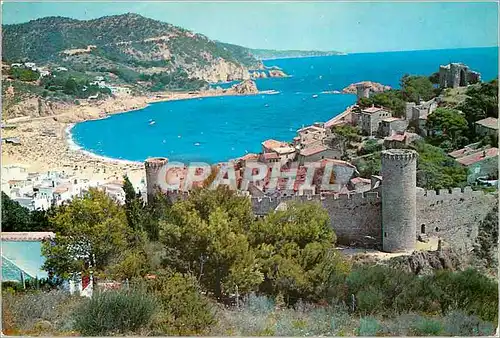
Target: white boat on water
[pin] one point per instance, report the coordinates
(151, 122)
(197, 144)
(315, 96)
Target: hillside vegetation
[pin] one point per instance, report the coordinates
(129, 46)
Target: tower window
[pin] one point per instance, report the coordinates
(437, 229)
(385, 234)
(422, 229)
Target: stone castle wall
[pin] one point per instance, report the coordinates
(355, 218)
(453, 215)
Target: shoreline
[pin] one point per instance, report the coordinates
(47, 142)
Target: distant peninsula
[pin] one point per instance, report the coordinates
(267, 54)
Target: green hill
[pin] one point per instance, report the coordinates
(129, 43)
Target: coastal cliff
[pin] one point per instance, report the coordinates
(124, 49)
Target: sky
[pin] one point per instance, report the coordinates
(340, 26)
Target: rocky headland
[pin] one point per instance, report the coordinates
(375, 87)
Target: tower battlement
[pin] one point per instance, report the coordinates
(399, 154)
(155, 163)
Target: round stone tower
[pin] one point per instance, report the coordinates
(399, 180)
(153, 175)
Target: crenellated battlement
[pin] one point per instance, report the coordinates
(453, 193)
(155, 163)
(399, 154)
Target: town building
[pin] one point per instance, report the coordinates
(310, 136)
(480, 162)
(369, 119)
(276, 151)
(400, 140)
(317, 153)
(120, 91)
(392, 125)
(487, 127)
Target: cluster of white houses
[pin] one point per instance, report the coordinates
(39, 191)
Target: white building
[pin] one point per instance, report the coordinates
(120, 90)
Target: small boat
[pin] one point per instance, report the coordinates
(179, 136)
(151, 122)
(266, 105)
(197, 144)
(315, 96)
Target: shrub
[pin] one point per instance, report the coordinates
(108, 312)
(457, 323)
(28, 311)
(368, 326)
(185, 310)
(427, 327)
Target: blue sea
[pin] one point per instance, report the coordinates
(217, 129)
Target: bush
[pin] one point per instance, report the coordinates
(111, 312)
(457, 323)
(185, 311)
(368, 326)
(427, 327)
(33, 311)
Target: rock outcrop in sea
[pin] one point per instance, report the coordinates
(375, 87)
(277, 73)
(245, 87)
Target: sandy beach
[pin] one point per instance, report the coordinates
(45, 142)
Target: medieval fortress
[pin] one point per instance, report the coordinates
(391, 216)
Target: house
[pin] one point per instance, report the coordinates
(487, 127)
(62, 69)
(120, 90)
(392, 125)
(268, 146)
(400, 140)
(30, 65)
(284, 152)
(250, 157)
(310, 136)
(317, 153)
(360, 184)
(270, 158)
(340, 175)
(369, 119)
(480, 163)
(16, 65)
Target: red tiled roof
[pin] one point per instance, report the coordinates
(313, 150)
(478, 156)
(61, 188)
(270, 144)
(489, 122)
(357, 180)
(249, 156)
(396, 137)
(269, 156)
(372, 110)
(26, 236)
